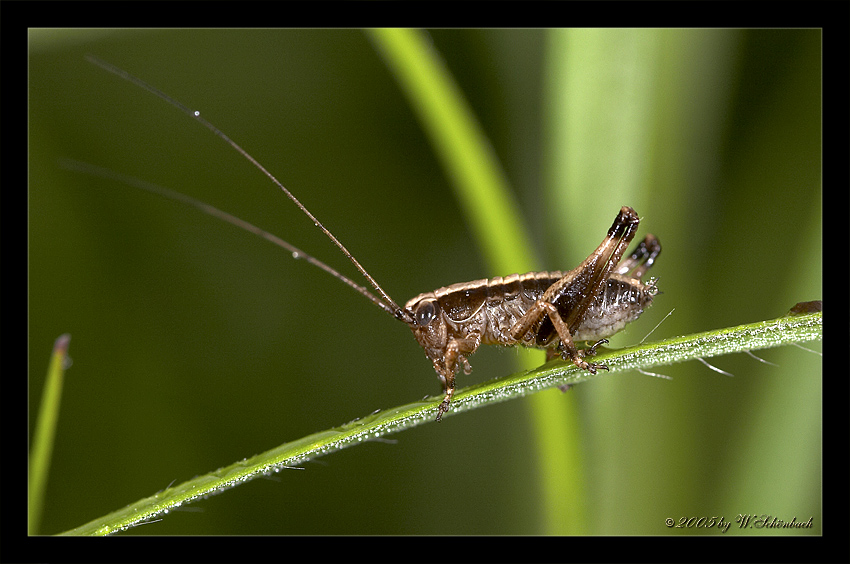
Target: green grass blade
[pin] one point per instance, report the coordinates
(754, 336)
(486, 198)
(482, 189)
(45, 432)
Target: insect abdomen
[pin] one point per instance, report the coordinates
(510, 298)
(622, 302)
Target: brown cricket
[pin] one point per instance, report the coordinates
(546, 310)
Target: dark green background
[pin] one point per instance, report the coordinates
(196, 345)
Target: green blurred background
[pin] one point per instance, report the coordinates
(196, 345)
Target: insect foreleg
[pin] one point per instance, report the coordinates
(455, 354)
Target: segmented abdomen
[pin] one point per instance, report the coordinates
(491, 307)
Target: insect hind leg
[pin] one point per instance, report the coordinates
(641, 259)
(567, 347)
(561, 352)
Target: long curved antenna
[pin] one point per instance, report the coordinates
(86, 168)
(388, 302)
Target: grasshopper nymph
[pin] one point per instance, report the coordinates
(547, 310)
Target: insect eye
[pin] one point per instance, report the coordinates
(425, 312)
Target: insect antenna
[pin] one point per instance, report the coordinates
(78, 166)
(385, 301)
